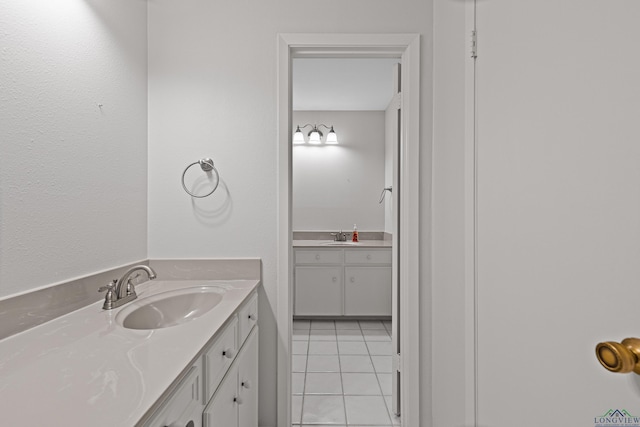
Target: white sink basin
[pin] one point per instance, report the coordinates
(341, 243)
(169, 308)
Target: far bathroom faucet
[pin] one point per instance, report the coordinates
(339, 237)
(122, 291)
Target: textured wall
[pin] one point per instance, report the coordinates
(72, 173)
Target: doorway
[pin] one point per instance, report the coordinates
(407, 48)
(343, 339)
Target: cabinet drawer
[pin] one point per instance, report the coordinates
(247, 318)
(219, 357)
(184, 405)
(318, 257)
(367, 256)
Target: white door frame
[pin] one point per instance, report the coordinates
(406, 46)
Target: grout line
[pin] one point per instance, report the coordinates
(378, 380)
(344, 402)
(306, 365)
(304, 394)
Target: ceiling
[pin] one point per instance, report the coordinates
(342, 84)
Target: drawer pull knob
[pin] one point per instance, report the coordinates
(228, 353)
(237, 400)
(368, 256)
(353, 279)
(252, 317)
(246, 384)
(334, 279)
(317, 256)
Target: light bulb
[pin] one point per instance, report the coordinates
(332, 138)
(298, 137)
(314, 137)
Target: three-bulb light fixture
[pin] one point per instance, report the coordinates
(315, 135)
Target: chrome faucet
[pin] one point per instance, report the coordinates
(339, 237)
(122, 291)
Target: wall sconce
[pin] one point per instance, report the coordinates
(315, 135)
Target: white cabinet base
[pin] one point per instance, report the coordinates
(342, 282)
(235, 402)
(221, 387)
(185, 404)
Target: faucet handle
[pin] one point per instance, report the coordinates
(110, 297)
(131, 290)
(109, 287)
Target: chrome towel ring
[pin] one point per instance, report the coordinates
(207, 166)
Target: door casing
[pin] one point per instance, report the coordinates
(406, 47)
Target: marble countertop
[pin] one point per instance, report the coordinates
(84, 369)
(340, 245)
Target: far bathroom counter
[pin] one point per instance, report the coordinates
(346, 245)
(84, 369)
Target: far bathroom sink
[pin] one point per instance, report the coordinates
(170, 308)
(341, 243)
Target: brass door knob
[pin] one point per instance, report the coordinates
(620, 357)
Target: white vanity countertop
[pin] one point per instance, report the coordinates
(341, 245)
(83, 369)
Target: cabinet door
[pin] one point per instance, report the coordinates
(222, 410)
(318, 291)
(184, 406)
(248, 382)
(367, 291)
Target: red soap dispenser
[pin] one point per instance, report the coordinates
(354, 237)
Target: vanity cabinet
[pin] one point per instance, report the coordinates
(184, 407)
(235, 403)
(221, 386)
(318, 279)
(342, 282)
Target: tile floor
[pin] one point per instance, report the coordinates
(342, 373)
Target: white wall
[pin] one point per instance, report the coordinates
(335, 186)
(73, 175)
(212, 92)
(450, 314)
